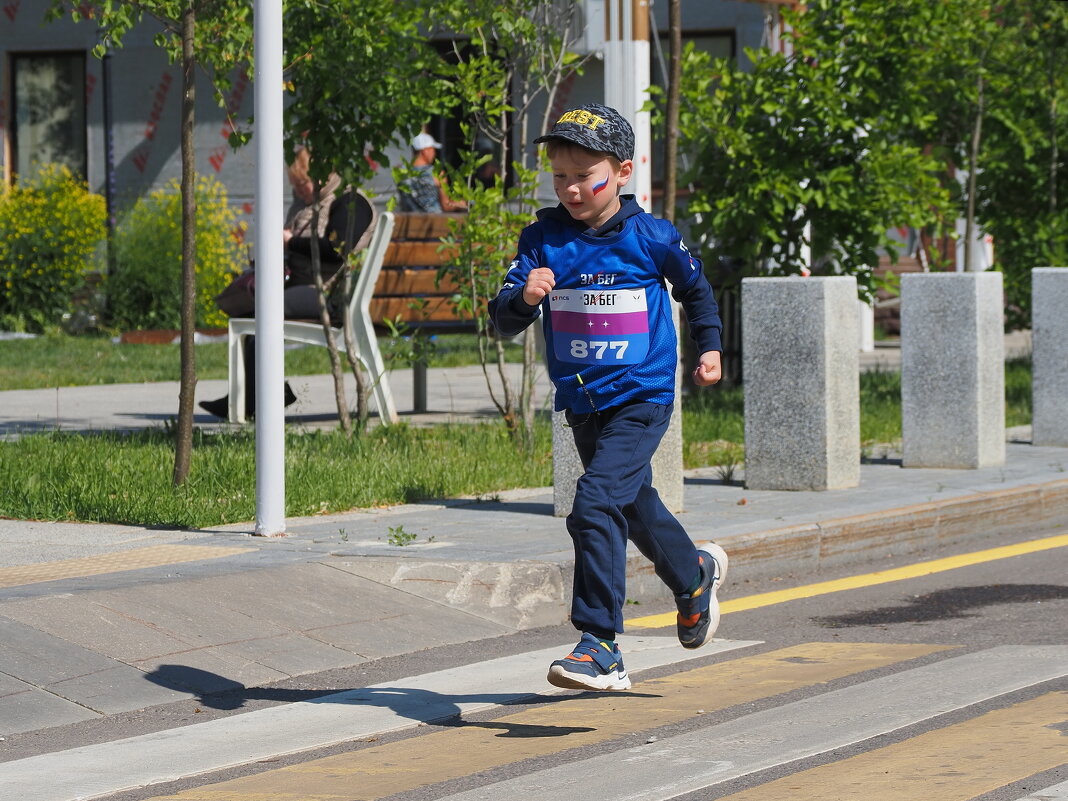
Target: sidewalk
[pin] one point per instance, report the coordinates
(99, 620)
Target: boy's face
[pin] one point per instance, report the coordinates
(588, 183)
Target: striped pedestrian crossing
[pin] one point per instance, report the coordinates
(956, 762)
(563, 724)
(672, 767)
(90, 771)
(1002, 743)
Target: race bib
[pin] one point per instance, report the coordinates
(600, 326)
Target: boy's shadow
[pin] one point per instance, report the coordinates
(218, 692)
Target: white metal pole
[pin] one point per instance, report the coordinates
(270, 372)
(626, 85)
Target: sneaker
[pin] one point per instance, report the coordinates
(699, 611)
(592, 665)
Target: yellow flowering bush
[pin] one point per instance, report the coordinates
(52, 230)
(145, 288)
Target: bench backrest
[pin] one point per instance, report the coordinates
(408, 287)
(373, 256)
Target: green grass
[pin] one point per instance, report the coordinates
(713, 427)
(126, 478)
(67, 361)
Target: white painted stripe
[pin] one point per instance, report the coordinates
(669, 768)
(1058, 792)
(93, 771)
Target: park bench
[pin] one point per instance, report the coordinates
(310, 332)
(410, 292)
(399, 283)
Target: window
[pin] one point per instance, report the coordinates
(48, 104)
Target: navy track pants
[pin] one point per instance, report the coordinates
(614, 501)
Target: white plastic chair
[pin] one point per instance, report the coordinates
(311, 333)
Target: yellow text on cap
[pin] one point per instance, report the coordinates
(582, 117)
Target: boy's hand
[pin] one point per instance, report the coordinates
(540, 282)
(708, 370)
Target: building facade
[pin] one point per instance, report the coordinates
(116, 120)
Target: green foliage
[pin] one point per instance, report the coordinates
(1023, 186)
(145, 289)
(866, 125)
(806, 150)
(482, 244)
(361, 75)
(398, 537)
(517, 56)
(51, 231)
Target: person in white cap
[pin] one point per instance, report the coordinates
(423, 191)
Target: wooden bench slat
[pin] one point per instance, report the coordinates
(413, 225)
(409, 276)
(408, 254)
(414, 282)
(436, 310)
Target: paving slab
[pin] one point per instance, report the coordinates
(24, 707)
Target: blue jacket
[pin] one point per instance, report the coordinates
(609, 334)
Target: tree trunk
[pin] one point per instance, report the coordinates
(324, 319)
(183, 445)
(973, 166)
(671, 128)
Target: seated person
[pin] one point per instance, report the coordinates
(301, 297)
(424, 191)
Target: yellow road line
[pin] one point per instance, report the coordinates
(556, 725)
(865, 580)
(135, 559)
(956, 763)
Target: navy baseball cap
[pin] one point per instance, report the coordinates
(594, 127)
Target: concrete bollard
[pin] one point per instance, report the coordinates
(952, 370)
(1049, 356)
(801, 365)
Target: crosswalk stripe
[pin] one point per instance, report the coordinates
(567, 723)
(1058, 792)
(864, 580)
(956, 763)
(669, 768)
(91, 771)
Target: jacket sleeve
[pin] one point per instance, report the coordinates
(702, 313)
(690, 287)
(508, 311)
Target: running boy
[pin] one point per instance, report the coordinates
(593, 268)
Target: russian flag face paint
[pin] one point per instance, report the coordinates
(598, 187)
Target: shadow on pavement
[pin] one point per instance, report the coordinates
(218, 692)
(946, 604)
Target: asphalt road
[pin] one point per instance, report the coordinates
(952, 685)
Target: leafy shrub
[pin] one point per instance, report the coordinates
(51, 234)
(145, 287)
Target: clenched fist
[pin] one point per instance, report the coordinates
(708, 370)
(540, 282)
